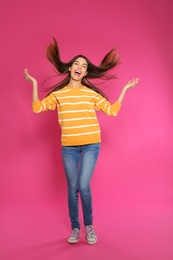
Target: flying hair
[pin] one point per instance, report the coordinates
(110, 61)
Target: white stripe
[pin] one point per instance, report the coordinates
(76, 103)
(68, 90)
(80, 126)
(50, 106)
(89, 133)
(75, 111)
(109, 111)
(89, 91)
(61, 91)
(105, 106)
(73, 119)
(76, 97)
(43, 105)
(114, 113)
(100, 102)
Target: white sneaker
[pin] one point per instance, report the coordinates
(74, 237)
(91, 236)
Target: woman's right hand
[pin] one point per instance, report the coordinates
(29, 77)
(34, 82)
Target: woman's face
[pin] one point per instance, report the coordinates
(78, 69)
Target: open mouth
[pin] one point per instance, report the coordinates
(77, 72)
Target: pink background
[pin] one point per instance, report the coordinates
(132, 185)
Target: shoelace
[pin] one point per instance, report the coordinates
(75, 232)
(90, 230)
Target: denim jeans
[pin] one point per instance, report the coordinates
(79, 163)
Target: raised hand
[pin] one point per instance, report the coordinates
(34, 84)
(29, 77)
(132, 83)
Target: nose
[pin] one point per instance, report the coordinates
(79, 65)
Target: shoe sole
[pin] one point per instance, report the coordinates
(91, 242)
(72, 241)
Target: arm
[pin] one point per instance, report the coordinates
(129, 85)
(34, 84)
(112, 110)
(48, 103)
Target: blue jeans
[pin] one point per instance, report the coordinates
(79, 163)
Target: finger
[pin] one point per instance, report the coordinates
(137, 80)
(25, 72)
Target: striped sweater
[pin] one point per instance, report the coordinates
(77, 113)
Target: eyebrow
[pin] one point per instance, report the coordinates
(81, 63)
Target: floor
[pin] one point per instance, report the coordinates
(39, 231)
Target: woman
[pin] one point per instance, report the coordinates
(76, 100)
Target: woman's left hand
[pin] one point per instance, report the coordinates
(132, 83)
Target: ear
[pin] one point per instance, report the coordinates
(85, 74)
(69, 69)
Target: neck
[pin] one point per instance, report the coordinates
(74, 84)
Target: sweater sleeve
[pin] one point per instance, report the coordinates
(104, 105)
(46, 104)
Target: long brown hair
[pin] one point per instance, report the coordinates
(110, 60)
